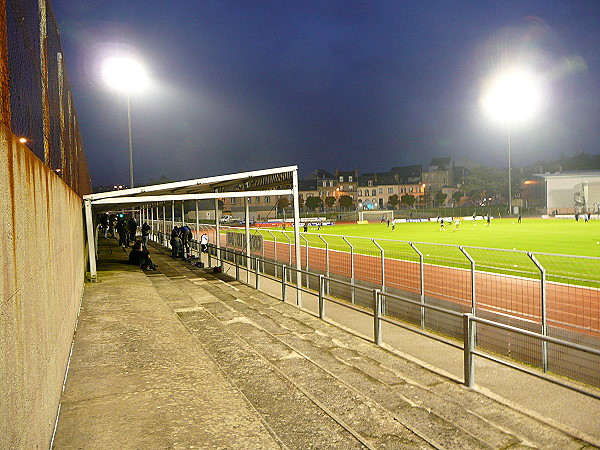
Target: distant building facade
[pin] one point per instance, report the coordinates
(572, 192)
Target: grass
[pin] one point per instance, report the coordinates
(560, 236)
(552, 236)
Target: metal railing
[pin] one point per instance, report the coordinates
(466, 321)
(419, 283)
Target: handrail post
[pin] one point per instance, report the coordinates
(283, 283)
(274, 253)
(382, 272)
(326, 259)
(421, 283)
(469, 346)
(306, 262)
(544, 313)
(257, 277)
(351, 267)
(473, 299)
(377, 316)
(321, 297)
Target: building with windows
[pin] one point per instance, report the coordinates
(439, 175)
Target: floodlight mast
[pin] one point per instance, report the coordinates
(127, 75)
(513, 96)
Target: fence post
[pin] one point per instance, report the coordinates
(283, 276)
(237, 265)
(326, 259)
(382, 272)
(421, 282)
(472, 261)
(306, 262)
(274, 253)
(321, 297)
(257, 277)
(469, 346)
(351, 267)
(544, 318)
(377, 316)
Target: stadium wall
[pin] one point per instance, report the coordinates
(43, 269)
(572, 192)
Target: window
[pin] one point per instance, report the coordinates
(350, 179)
(232, 200)
(341, 179)
(249, 200)
(381, 190)
(411, 190)
(373, 193)
(267, 199)
(359, 192)
(320, 193)
(350, 188)
(403, 190)
(370, 183)
(390, 190)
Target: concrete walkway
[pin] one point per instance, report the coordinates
(184, 358)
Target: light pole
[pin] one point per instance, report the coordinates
(126, 75)
(512, 97)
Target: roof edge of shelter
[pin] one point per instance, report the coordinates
(219, 179)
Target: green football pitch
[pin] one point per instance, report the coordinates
(539, 236)
(559, 236)
(544, 237)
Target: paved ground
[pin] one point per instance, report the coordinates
(184, 358)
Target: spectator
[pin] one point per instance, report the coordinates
(145, 233)
(204, 243)
(132, 225)
(186, 236)
(140, 256)
(175, 243)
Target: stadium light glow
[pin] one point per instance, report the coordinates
(513, 96)
(126, 75)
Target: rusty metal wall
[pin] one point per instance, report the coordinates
(42, 259)
(35, 86)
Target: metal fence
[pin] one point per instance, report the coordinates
(35, 96)
(553, 295)
(430, 287)
(469, 327)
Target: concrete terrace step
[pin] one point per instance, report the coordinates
(185, 358)
(268, 347)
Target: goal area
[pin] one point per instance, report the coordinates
(381, 215)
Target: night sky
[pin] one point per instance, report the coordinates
(247, 84)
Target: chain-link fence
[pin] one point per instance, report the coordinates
(35, 97)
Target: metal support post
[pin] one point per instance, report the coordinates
(283, 282)
(321, 297)
(544, 311)
(469, 347)
(256, 275)
(472, 261)
(421, 283)
(352, 291)
(327, 262)
(377, 316)
(382, 272)
(89, 228)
